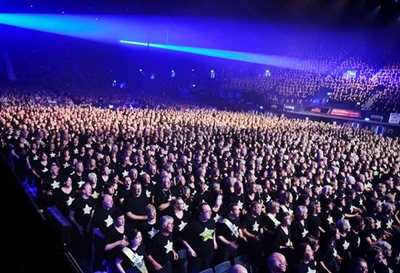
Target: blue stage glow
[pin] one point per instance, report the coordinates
(187, 37)
(280, 61)
(102, 28)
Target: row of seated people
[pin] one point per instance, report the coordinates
(266, 172)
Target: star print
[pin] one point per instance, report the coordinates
(389, 223)
(360, 202)
(334, 252)
(66, 165)
(256, 226)
(168, 247)
(52, 155)
(217, 217)
(148, 193)
(378, 224)
(95, 195)
(358, 242)
(87, 209)
(70, 200)
(289, 243)
(152, 232)
(346, 245)
(36, 157)
(124, 173)
(154, 182)
(45, 170)
(109, 221)
(207, 234)
(170, 198)
(330, 220)
(55, 185)
(185, 207)
(309, 270)
(76, 151)
(182, 225)
(376, 173)
(240, 204)
(304, 233)
(351, 209)
(287, 180)
(390, 270)
(373, 237)
(235, 230)
(267, 199)
(80, 183)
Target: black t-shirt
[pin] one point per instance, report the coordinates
(199, 235)
(161, 248)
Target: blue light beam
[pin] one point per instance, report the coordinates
(292, 63)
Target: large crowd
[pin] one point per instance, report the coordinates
(140, 185)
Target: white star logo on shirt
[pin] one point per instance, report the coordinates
(287, 180)
(309, 270)
(389, 223)
(378, 224)
(66, 165)
(148, 193)
(80, 183)
(152, 232)
(217, 217)
(55, 185)
(358, 242)
(330, 219)
(256, 226)
(95, 195)
(182, 225)
(170, 198)
(124, 173)
(70, 200)
(289, 243)
(240, 204)
(154, 182)
(52, 155)
(168, 247)
(36, 157)
(390, 270)
(373, 237)
(109, 221)
(45, 170)
(185, 207)
(346, 245)
(87, 209)
(360, 202)
(304, 233)
(76, 151)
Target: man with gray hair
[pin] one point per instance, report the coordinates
(277, 263)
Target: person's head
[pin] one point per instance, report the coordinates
(137, 189)
(305, 252)
(135, 237)
(234, 210)
(359, 265)
(204, 212)
(151, 212)
(167, 224)
(238, 268)
(286, 219)
(118, 217)
(277, 263)
(108, 201)
(301, 212)
(386, 248)
(256, 208)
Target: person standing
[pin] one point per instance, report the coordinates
(200, 240)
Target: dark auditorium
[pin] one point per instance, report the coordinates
(202, 136)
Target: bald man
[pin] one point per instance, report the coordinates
(238, 268)
(277, 263)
